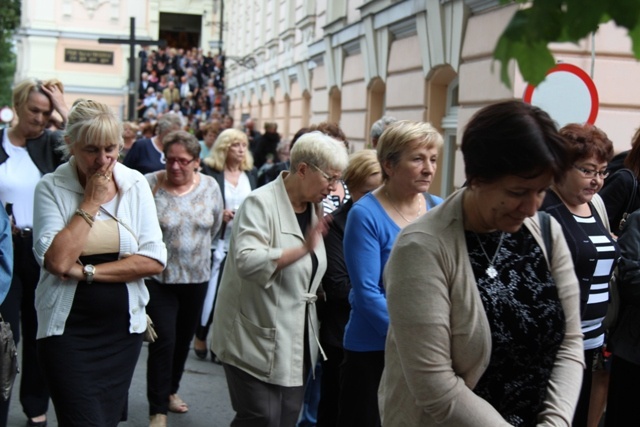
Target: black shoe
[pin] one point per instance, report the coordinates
(214, 358)
(201, 354)
(32, 423)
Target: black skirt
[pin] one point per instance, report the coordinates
(89, 367)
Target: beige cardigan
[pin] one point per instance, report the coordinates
(439, 341)
(259, 317)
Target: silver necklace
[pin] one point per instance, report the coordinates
(400, 213)
(491, 270)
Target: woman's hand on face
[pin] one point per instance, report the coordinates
(228, 215)
(56, 97)
(96, 191)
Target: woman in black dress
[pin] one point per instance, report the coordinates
(96, 235)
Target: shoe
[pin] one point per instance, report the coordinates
(200, 353)
(158, 420)
(177, 405)
(214, 358)
(32, 423)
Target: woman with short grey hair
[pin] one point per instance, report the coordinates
(265, 328)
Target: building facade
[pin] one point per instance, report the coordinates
(298, 62)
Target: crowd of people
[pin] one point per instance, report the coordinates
(334, 289)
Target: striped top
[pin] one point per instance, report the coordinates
(601, 246)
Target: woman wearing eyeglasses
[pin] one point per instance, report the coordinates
(574, 202)
(189, 208)
(407, 152)
(265, 326)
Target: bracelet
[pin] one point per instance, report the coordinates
(86, 216)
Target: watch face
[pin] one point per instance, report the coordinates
(89, 269)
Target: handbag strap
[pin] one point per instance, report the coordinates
(545, 228)
(122, 223)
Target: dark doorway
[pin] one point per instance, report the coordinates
(180, 30)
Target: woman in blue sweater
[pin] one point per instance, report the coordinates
(407, 152)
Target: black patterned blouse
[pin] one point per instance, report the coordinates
(526, 319)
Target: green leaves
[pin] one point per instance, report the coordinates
(9, 21)
(530, 31)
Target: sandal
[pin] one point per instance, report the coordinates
(177, 405)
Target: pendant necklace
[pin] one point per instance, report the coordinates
(491, 270)
(400, 213)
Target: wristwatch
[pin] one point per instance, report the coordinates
(89, 270)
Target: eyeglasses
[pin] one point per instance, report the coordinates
(181, 162)
(592, 173)
(330, 180)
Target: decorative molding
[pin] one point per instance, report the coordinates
(91, 6)
(373, 6)
(351, 48)
(96, 90)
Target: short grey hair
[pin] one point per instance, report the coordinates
(169, 122)
(320, 150)
(379, 126)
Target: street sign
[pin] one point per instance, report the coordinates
(567, 93)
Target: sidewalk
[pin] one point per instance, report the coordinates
(203, 387)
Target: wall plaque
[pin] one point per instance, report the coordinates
(100, 57)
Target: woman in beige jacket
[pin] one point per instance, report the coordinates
(265, 327)
(482, 299)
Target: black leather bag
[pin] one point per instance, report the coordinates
(8, 360)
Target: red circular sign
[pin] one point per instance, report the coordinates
(567, 93)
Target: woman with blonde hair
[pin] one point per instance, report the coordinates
(362, 175)
(27, 152)
(230, 163)
(96, 236)
(408, 154)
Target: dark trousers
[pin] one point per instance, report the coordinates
(624, 394)
(330, 387)
(581, 414)
(257, 403)
(174, 311)
(360, 375)
(19, 307)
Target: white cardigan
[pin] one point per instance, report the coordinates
(57, 197)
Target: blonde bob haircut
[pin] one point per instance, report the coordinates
(321, 150)
(23, 89)
(361, 166)
(218, 156)
(92, 122)
(398, 136)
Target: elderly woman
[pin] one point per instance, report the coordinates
(189, 208)
(96, 237)
(574, 202)
(231, 165)
(484, 321)
(362, 175)
(147, 154)
(27, 152)
(265, 327)
(408, 153)
(129, 136)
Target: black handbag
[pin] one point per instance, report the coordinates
(8, 360)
